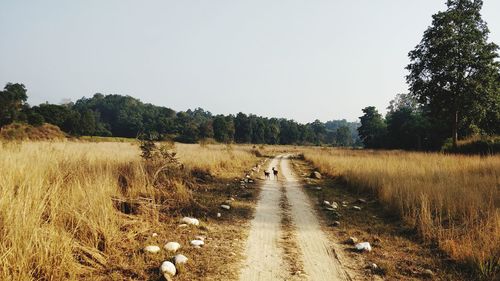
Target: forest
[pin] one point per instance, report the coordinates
(125, 116)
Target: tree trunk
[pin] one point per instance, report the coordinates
(455, 130)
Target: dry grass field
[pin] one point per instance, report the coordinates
(452, 201)
(74, 210)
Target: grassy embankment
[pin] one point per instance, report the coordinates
(452, 201)
(83, 211)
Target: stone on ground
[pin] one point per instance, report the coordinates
(190, 221)
(153, 249)
(168, 269)
(315, 175)
(363, 247)
(172, 246)
(180, 259)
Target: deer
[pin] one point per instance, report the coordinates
(275, 173)
(267, 174)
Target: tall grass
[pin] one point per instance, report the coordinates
(451, 200)
(60, 215)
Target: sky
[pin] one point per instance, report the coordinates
(302, 60)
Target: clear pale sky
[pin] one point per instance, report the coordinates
(303, 60)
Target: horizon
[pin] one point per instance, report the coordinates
(224, 57)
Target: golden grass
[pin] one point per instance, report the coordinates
(451, 200)
(58, 203)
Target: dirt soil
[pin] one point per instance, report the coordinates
(264, 253)
(397, 251)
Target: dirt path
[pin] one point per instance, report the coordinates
(264, 257)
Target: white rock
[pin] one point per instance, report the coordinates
(172, 246)
(227, 207)
(197, 243)
(154, 234)
(180, 259)
(356, 208)
(191, 221)
(372, 266)
(363, 247)
(334, 205)
(168, 269)
(326, 203)
(152, 249)
(318, 188)
(219, 215)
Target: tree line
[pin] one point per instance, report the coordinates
(125, 116)
(454, 86)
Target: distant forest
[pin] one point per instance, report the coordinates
(125, 116)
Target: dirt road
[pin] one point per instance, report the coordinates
(264, 255)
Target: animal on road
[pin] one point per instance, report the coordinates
(267, 174)
(275, 173)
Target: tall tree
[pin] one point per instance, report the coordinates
(343, 136)
(12, 99)
(373, 129)
(454, 69)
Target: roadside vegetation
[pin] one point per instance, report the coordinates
(73, 210)
(451, 201)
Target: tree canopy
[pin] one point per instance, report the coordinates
(454, 70)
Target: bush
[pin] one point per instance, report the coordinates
(482, 146)
(22, 131)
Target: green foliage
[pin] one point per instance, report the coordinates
(126, 117)
(484, 146)
(373, 129)
(343, 136)
(12, 100)
(454, 71)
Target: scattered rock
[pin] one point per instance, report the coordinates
(334, 205)
(182, 225)
(153, 249)
(363, 247)
(172, 246)
(315, 175)
(197, 243)
(351, 240)
(227, 207)
(180, 259)
(168, 270)
(363, 201)
(336, 223)
(326, 203)
(356, 208)
(219, 215)
(428, 273)
(373, 266)
(154, 234)
(317, 188)
(190, 221)
(330, 209)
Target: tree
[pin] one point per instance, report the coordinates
(453, 70)
(343, 136)
(12, 99)
(373, 129)
(223, 129)
(242, 128)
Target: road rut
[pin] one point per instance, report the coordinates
(264, 257)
